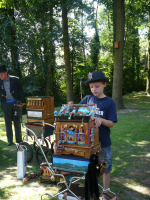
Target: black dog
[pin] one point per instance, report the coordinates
(95, 169)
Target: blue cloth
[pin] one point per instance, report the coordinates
(106, 109)
(108, 158)
(7, 88)
(10, 100)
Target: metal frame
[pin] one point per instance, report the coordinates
(105, 191)
(51, 169)
(75, 178)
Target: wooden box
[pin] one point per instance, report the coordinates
(77, 135)
(40, 109)
(46, 175)
(72, 139)
(116, 44)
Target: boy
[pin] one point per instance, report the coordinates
(105, 116)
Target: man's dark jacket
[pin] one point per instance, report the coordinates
(16, 89)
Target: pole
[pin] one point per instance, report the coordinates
(81, 85)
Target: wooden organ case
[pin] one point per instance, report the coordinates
(40, 109)
(77, 134)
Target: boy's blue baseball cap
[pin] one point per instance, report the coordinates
(96, 76)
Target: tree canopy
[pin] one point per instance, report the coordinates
(51, 44)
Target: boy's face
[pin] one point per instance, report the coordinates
(70, 104)
(97, 89)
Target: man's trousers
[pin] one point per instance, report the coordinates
(12, 113)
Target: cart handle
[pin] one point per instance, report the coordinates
(32, 123)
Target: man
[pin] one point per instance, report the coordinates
(11, 91)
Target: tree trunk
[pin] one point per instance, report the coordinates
(66, 51)
(83, 40)
(119, 21)
(137, 57)
(148, 64)
(13, 47)
(1, 40)
(50, 58)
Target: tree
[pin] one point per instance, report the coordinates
(67, 51)
(136, 19)
(9, 37)
(52, 57)
(95, 44)
(148, 64)
(119, 21)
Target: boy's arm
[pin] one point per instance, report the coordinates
(111, 117)
(105, 122)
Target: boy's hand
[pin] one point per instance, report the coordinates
(98, 121)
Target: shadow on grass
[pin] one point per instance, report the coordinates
(4, 194)
(127, 193)
(8, 155)
(137, 101)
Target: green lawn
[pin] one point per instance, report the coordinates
(130, 178)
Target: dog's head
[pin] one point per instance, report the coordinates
(94, 159)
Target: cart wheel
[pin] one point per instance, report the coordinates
(30, 138)
(29, 151)
(35, 144)
(40, 157)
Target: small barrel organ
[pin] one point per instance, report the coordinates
(40, 109)
(76, 133)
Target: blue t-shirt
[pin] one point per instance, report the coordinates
(106, 108)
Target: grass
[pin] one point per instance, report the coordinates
(130, 178)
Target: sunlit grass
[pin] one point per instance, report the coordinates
(141, 189)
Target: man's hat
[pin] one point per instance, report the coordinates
(96, 76)
(3, 68)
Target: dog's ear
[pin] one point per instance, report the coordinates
(100, 157)
(94, 159)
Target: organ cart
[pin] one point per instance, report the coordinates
(40, 111)
(75, 140)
